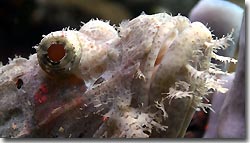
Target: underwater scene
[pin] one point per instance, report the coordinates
(122, 69)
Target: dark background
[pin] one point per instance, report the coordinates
(23, 22)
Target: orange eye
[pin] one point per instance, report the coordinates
(56, 52)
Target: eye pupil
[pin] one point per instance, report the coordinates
(56, 52)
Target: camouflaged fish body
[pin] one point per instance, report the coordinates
(144, 79)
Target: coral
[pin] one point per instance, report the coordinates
(144, 79)
(229, 121)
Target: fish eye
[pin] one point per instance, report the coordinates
(59, 53)
(56, 52)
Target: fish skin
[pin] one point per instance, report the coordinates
(150, 60)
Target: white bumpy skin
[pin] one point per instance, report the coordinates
(157, 71)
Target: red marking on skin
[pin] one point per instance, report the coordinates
(40, 98)
(43, 99)
(43, 88)
(105, 118)
(39, 95)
